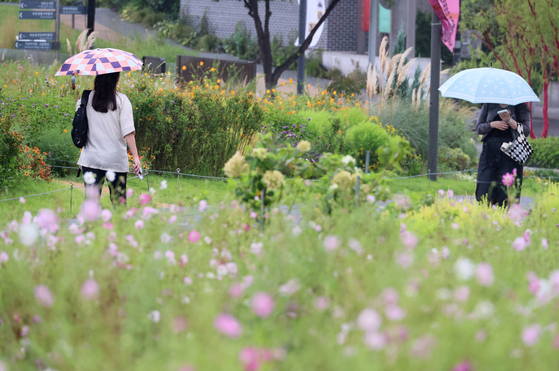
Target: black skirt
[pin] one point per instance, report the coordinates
(493, 164)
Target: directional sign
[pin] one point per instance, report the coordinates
(37, 45)
(36, 36)
(36, 14)
(31, 4)
(73, 10)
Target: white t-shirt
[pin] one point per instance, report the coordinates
(106, 146)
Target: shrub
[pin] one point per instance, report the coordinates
(197, 132)
(351, 84)
(9, 144)
(546, 152)
(453, 159)
(366, 136)
(58, 145)
(241, 44)
(313, 64)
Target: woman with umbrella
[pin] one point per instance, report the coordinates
(504, 117)
(110, 119)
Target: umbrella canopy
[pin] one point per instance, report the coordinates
(99, 62)
(489, 85)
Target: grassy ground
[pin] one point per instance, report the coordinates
(191, 192)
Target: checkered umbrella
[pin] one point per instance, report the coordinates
(99, 62)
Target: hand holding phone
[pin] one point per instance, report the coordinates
(503, 111)
(138, 170)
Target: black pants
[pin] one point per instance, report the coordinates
(493, 164)
(117, 186)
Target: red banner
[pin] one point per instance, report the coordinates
(448, 12)
(366, 14)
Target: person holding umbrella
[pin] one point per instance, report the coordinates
(502, 122)
(497, 124)
(110, 119)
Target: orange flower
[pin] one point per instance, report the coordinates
(201, 63)
(232, 93)
(184, 68)
(66, 131)
(290, 80)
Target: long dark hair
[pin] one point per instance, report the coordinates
(104, 98)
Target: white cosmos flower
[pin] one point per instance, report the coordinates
(89, 178)
(464, 268)
(163, 184)
(28, 234)
(110, 176)
(154, 316)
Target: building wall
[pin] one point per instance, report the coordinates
(224, 15)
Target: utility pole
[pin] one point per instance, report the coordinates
(373, 30)
(90, 16)
(434, 97)
(57, 31)
(360, 33)
(302, 32)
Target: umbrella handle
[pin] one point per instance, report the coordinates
(73, 82)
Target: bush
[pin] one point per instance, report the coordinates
(313, 64)
(351, 84)
(453, 159)
(197, 132)
(366, 136)
(9, 144)
(241, 44)
(546, 152)
(58, 145)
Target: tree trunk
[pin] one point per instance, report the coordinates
(545, 104)
(532, 134)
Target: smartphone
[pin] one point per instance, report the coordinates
(503, 111)
(140, 175)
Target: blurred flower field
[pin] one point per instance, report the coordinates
(451, 286)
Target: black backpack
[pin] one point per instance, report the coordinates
(80, 126)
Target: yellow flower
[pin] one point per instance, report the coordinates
(357, 104)
(324, 92)
(274, 90)
(283, 84)
(232, 93)
(212, 69)
(218, 81)
(334, 92)
(201, 63)
(290, 80)
(217, 87)
(128, 74)
(66, 131)
(273, 179)
(37, 73)
(160, 89)
(145, 74)
(353, 95)
(268, 91)
(184, 68)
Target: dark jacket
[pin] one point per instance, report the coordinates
(488, 113)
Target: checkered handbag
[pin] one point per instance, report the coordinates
(519, 149)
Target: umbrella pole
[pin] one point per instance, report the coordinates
(434, 97)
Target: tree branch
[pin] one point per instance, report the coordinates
(267, 19)
(293, 57)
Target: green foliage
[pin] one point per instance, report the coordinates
(363, 137)
(423, 39)
(350, 84)
(453, 159)
(241, 44)
(313, 64)
(546, 152)
(58, 145)
(9, 142)
(400, 44)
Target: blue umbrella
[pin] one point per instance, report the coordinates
(489, 85)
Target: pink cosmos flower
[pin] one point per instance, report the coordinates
(545, 244)
(22, 200)
(4, 257)
(450, 193)
(423, 347)
(514, 172)
(203, 205)
(409, 239)
(165, 238)
(534, 286)
(369, 320)
(484, 274)
(531, 334)
(556, 342)
(129, 192)
(145, 199)
(321, 303)
(184, 259)
(106, 215)
(463, 366)
(132, 240)
(374, 340)
(445, 252)
(262, 304)
(172, 219)
(44, 296)
(179, 324)
(519, 244)
(139, 224)
(193, 236)
(394, 312)
(90, 210)
(47, 219)
(390, 296)
(404, 259)
(149, 211)
(228, 325)
(289, 288)
(441, 192)
(331, 243)
(187, 281)
(90, 290)
(481, 335)
(108, 226)
(462, 293)
(236, 290)
(508, 179)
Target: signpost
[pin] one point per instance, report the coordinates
(36, 36)
(30, 4)
(38, 45)
(73, 10)
(37, 14)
